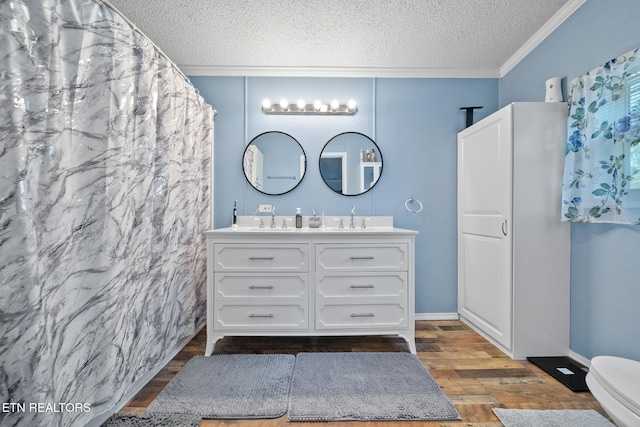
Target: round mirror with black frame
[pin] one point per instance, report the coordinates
(351, 163)
(274, 163)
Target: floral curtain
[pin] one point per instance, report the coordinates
(602, 163)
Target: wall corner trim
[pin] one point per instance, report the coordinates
(437, 316)
(556, 20)
(579, 358)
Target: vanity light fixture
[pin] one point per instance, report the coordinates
(302, 107)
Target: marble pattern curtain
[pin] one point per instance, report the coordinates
(602, 164)
(105, 172)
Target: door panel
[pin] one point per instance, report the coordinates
(484, 225)
(486, 294)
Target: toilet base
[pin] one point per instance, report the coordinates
(619, 413)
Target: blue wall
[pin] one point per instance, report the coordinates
(413, 121)
(605, 268)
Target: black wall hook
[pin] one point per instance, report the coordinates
(470, 114)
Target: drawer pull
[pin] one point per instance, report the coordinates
(253, 316)
(362, 286)
(260, 258)
(363, 315)
(362, 257)
(260, 287)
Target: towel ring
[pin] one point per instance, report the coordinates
(412, 200)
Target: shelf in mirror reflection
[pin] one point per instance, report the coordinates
(350, 163)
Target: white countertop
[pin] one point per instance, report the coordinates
(310, 231)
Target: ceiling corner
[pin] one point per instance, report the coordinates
(549, 27)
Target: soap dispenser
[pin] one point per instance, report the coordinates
(298, 218)
(234, 218)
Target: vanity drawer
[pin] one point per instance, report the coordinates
(261, 257)
(362, 257)
(360, 285)
(261, 285)
(361, 316)
(257, 317)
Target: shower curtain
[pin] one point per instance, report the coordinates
(105, 173)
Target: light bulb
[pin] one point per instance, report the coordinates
(351, 105)
(266, 104)
(335, 104)
(317, 104)
(284, 104)
(301, 104)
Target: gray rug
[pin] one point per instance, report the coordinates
(229, 386)
(152, 420)
(551, 418)
(365, 386)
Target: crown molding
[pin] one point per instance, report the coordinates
(202, 70)
(389, 72)
(549, 27)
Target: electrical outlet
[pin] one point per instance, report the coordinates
(264, 208)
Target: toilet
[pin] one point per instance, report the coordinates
(615, 383)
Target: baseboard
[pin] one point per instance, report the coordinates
(571, 354)
(437, 316)
(138, 385)
(580, 359)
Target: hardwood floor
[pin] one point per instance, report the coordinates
(472, 372)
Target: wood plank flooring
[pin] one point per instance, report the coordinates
(472, 372)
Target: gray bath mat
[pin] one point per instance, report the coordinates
(551, 418)
(229, 386)
(365, 386)
(152, 420)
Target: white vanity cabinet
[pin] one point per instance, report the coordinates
(310, 282)
(361, 286)
(262, 286)
(513, 247)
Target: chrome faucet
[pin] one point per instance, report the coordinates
(273, 217)
(352, 224)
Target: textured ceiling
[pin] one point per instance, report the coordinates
(340, 34)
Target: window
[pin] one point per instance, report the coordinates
(633, 96)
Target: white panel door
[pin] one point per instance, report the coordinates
(484, 225)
